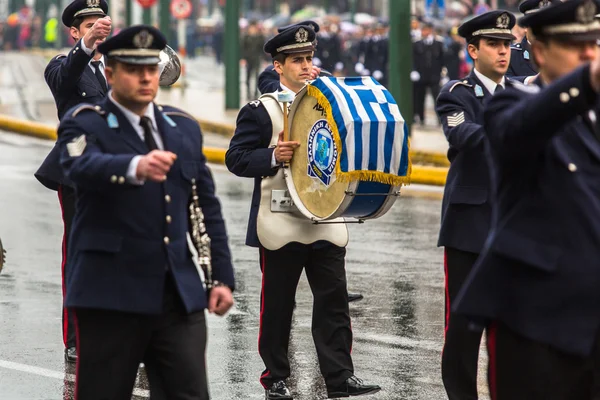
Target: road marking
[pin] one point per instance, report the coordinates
(48, 373)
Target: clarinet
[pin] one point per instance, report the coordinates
(200, 238)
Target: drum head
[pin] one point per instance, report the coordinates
(312, 169)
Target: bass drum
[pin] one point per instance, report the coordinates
(311, 178)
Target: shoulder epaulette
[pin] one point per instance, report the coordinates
(58, 57)
(531, 89)
(84, 107)
(460, 83)
(516, 47)
(176, 112)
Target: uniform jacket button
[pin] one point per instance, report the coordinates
(121, 180)
(572, 167)
(169, 219)
(168, 198)
(113, 179)
(83, 94)
(574, 92)
(167, 240)
(564, 97)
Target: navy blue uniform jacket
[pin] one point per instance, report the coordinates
(249, 155)
(126, 237)
(72, 82)
(539, 272)
(521, 60)
(466, 211)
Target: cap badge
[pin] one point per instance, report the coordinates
(93, 3)
(585, 13)
(503, 21)
(301, 35)
(544, 3)
(143, 39)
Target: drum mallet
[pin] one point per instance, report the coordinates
(285, 97)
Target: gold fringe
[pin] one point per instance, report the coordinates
(360, 175)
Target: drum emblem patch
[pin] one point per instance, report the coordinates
(322, 153)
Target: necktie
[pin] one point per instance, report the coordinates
(99, 75)
(146, 124)
(498, 89)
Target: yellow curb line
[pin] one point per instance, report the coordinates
(420, 174)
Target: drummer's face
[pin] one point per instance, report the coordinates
(295, 70)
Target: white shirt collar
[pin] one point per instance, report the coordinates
(285, 88)
(489, 84)
(132, 117)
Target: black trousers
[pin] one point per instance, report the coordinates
(331, 331)
(460, 354)
(523, 369)
(420, 92)
(111, 345)
(66, 197)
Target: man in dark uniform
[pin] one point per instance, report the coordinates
(268, 82)
(250, 155)
(535, 285)
(466, 212)
(132, 282)
(428, 60)
(521, 60)
(74, 78)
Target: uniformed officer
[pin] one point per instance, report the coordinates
(133, 284)
(428, 61)
(521, 61)
(74, 78)
(256, 151)
(535, 285)
(268, 82)
(466, 211)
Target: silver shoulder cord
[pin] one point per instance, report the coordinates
(200, 237)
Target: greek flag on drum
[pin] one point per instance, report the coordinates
(367, 127)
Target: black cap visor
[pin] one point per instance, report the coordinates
(137, 60)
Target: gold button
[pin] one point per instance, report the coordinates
(167, 240)
(572, 167)
(121, 180)
(113, 179)
(169, 219)
(574, 92)
(168, 198)
(564, 97)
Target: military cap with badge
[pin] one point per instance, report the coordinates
(531, 6)
(139, 44)
(297, 39)
(82, 9)
(572, 20)
(495, 24)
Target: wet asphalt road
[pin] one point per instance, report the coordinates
(393, 261)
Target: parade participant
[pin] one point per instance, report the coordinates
(268, 82)
(521, 61)
(466, 212)
(535, 285)
(133, 285)
(74, 78)
(428, 61)
(257, 150)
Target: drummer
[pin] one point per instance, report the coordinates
(250, 156)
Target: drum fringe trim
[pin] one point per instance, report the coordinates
(358, 175)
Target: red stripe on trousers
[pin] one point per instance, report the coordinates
(77, 347)
(262, 309)
(491, 347)
(447, 293)
(62, 267)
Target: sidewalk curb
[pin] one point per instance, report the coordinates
(426, 175)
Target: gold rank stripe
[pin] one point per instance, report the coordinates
(455, 120)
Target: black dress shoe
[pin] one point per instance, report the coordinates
(71, 355)
(277, 391)
(352, 387)
(354, 297)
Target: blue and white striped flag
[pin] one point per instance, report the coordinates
(367, 127)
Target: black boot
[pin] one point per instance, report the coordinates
(352, 387)
(277, 391)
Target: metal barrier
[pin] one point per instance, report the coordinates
(427, 175)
